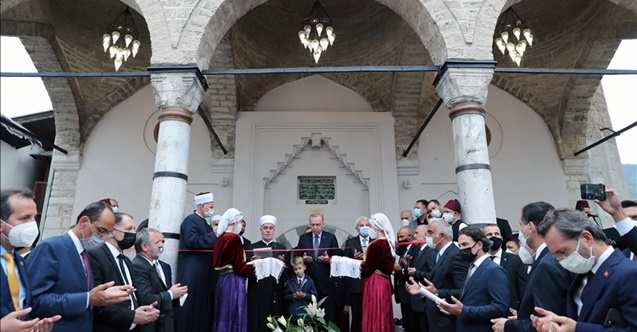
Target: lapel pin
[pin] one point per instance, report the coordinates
(606, 274)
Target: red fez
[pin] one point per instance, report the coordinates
(107, 201)
(453, 205)
(581, 205)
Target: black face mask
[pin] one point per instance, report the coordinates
(496, 243)
(128, 240)
(466, 254)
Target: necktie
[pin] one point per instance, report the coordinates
(469, 273)
(634, 258)
(120, 258)
(87, 267)
(589, 277)
(437, 257)
(12, 278)
(316, 245)
(492, 258)
(160, 273)
(300, 283)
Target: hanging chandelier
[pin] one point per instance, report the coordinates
(121, 40)
(513, 35)
(317, 33)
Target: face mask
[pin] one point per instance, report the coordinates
(466, 254)
(448, 217)
(115, 209)
(372, 233)
(208, 214)
(522, 238)
(128, 240)
(405, 222)
(510, 251)
(161, 250)
(238, 228)
(417, 213)
(525, 256)
(436, 214)
(576, 263)
(22, 235)
(496, 243)
(94, 241)
(430, 242)
(364, 231)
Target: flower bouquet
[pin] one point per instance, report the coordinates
(316, 323)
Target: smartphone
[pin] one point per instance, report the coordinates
(593, 191)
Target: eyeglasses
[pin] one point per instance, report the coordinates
(103, 232)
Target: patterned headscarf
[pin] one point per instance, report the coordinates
(380, 222)
(230, 217)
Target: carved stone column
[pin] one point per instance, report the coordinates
(178, 91)
(463, 85)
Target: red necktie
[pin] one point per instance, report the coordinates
(88, 269)
(589, 278)
(300, 283)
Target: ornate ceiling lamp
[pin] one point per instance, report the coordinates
(317, 33)
(121, 40)
(513, 35)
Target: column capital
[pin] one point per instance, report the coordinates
(178, 86)
(461, 81)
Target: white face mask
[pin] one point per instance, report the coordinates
(525, 256)
(436, 214)
(405, 222)
(510, 251)
(372, 233)
(237, 229)
(93, 242)
(430, 242)
(523, 238)
(448, 217)
(576, 263)
(208, 214)
(22, 235)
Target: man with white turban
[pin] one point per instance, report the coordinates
(231, 304)
(265, 296)
(194, 266)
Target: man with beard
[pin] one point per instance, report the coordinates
(265, 296)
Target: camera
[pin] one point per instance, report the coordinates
(593, 191)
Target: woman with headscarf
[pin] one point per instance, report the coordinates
(231, 304)
(376, 269)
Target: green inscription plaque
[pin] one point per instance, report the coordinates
(317, 190)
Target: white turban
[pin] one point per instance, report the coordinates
(267, 219)
(215, 217)
(202, 199)
(230, 217)
(380, 222)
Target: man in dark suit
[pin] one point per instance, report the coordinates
(606, 277)
(108, 263)
(194, 266)
(447, 275)
(154, 282)
(355, 248)
(19, 229)
(516, 270)
(320, 245)
(60, 273)
(548, 281)
(421, 264)
(244, 241)
(505, 230)
(485, 294)
(406, 255)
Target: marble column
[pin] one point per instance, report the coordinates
(463, 85)
(178, 93)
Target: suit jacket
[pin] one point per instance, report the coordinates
(423, 262)
(292, 287)
(484, 297)
(246, 243)
(400, 277)
(316, 270)
(630, 240)
(546, 288)
(448, 275)
(516, 271)
(150, 288)
(115, 317)
(58, 281)
(612, 287)
(353, 286)
(6, 303)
